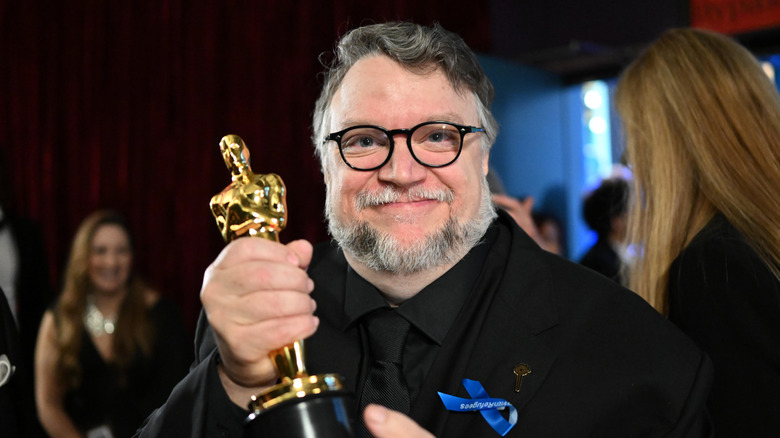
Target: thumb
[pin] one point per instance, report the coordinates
(385, 423)
(303, 250)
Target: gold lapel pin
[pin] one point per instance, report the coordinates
(521, 371)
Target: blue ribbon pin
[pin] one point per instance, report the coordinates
(482, 402)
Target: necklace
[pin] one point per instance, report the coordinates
(97, 324)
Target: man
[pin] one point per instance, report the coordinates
(17, 407)
(403, 131)
(23, 274)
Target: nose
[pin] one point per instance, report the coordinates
(402, 169)
(107, 260)
(112, 258)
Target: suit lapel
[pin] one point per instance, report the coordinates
(507, 320)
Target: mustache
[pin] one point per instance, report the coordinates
(389, 195)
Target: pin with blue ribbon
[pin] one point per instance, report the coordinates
(482, 402)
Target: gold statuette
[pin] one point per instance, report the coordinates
(255, 205)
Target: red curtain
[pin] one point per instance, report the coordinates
(122, 103)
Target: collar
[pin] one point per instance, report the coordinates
(433, 309)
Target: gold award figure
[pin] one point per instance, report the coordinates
(255, 205)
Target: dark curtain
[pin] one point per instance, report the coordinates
(122, 103)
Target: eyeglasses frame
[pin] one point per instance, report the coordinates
(390, 133)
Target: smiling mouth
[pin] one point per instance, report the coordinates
(390, 196)
(401, 203)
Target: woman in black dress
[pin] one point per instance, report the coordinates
(111, 349)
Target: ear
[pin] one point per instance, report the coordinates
(485, 163)
(326, 173)
(331, 171)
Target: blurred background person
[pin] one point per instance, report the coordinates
(111, 348)
(702, 125)
(550, 232)
(17, 409)
(24, 273)
(24, 280)
(605, 211)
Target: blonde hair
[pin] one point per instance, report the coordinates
(133, 331)
(702, 128)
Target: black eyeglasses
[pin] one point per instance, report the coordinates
(432, 144)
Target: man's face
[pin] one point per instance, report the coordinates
(412, 202)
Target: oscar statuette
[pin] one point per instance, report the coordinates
(299, 405)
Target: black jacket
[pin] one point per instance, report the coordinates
(17, 406)
(727, 300)
(603, 362)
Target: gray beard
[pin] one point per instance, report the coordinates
(381, 251)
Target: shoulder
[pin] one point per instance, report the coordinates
(585, 295)
(719, 281)
(47, 334)
(591, 326)
(719, 262)
(577, 295)
(587, 308)
(47, 322)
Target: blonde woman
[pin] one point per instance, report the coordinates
(702, 127)
(110, 349)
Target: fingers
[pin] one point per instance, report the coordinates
(511, 204)
(264, 249)
(253, 307)
(520, 212)
(385, 423)
(251, 275)
(256, 298)
(504, 200)
(244, 350)
(528, 203)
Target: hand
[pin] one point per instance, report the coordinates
(385, 423)
(256, 298)
(520, 212)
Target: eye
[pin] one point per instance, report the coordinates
(436, 137)
(365, 138)
(364, 141)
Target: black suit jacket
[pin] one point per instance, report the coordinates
(32, 282)
(723, 295)
(17, 407)
(603, 362)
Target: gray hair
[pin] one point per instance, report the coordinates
(419, 49)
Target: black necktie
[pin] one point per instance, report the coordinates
(385, 384)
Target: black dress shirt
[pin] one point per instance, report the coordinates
(431, 312)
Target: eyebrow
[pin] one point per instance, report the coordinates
(448, 117)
